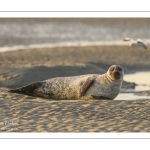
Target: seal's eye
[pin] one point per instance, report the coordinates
(119, 68)
(112, 68)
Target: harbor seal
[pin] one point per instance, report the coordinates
(90, 86)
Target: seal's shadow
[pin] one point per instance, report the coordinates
(39, 73)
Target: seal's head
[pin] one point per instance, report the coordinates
(115, 72)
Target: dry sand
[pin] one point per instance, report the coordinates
(29, 114)
(20, 113)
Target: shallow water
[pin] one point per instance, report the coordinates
(130, 96)
(139, 77)
(138, 88)
(143, 84)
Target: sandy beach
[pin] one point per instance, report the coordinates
(21, 113)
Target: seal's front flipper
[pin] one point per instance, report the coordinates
(85, 86)
(99, 97)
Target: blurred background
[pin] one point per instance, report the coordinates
(25, 31)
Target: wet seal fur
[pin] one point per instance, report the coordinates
(90, 86)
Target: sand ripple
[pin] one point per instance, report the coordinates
(21, 113)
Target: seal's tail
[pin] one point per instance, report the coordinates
(27, 90)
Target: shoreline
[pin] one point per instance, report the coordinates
(66, 44)
(95, 55)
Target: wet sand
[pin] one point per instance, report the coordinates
(19, 68)
(20, 113)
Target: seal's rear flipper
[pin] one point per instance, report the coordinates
(27, 90)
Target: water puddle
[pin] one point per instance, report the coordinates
(139, 78)
(138, 88)
(130, 96)
(143, 81)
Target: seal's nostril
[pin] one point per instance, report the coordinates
(119, 68)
